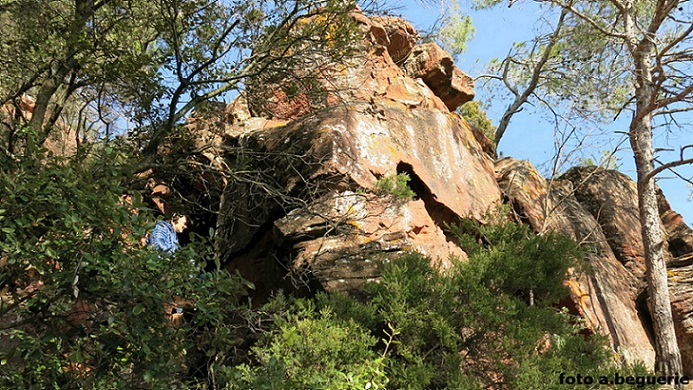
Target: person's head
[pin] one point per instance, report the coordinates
(180, 223)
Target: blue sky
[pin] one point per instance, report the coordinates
(529, 136)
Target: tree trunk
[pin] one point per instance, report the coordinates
(668, 359)
(668, 356)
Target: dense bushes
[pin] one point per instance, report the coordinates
(85, 305)
(311, 348)
(471, 328)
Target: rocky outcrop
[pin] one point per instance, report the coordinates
(436, 68)
(397, 35)
(302, 208)
(391, 68)
(340, 238)
(607, 295)
(615, 210)
(307, 173)
(611, 197)
(310, 195)
(680, 272)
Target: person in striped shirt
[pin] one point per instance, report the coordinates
(164, 237)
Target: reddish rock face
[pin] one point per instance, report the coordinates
(679, 235)
(302, 205)
(680, 272)
(607, 298)
(61, 140)
(391, 67)
(343, 255)
(612, 199)
(600, 207)
(399, 36)
(315, 162)
(436, 68)
(301, 198)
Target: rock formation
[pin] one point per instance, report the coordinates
(302, 205)
(607, 295)
(310, 198)
(611, 198)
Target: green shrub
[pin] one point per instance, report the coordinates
(469, 328)
(93, 315)
(487, 322)
(308, 348)
(608, 160)
(476, 116)
(397, 186)
(509, 258)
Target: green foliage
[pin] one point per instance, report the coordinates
(151, 63)
(457, 30)
(569, 71)
(397, 186)
(419, 307)
(510, 259)
(85, 305)
(608, 160)
(474, 113)
(308, 348)
(471, 327)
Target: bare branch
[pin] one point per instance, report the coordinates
(668, 165)
(686, 92)
(589, 20)
(537, 71)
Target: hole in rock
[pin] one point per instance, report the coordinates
(439, 213)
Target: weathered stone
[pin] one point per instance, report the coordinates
(679, 235)
(436, 68)
(680, 272)
(237, 112)
(160, 196)
(612, 199)
(401, 36)
(300, 202)
(388, 69)
(339, 237)
(607, 294)
(487, 145)
(346, 148)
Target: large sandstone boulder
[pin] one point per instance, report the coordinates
(390, 67)
(600, 208)
(612, 199)
(302, 201)
(436, 68)
(308, 194)
(340, 237)
(396, 34)
(300, 208)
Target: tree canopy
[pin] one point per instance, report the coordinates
(149, 63)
